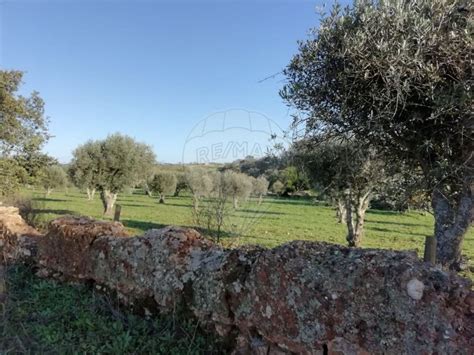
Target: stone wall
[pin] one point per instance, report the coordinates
(301, 297)
(18, 241)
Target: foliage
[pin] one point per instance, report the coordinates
(199, 182)
(24, 127)
(33, 163)
(398, 75)
(181, 183)
(349, 174)
(335, 166)
(239, 186)
(53, 177)
(163, 183)
(23, 131)
(215, 200)
(256, 167)
(214, 213)
(278, 187)
(402, 191)
(294, 179)
(122, 163)
(273, 167)
(396, 72)
(260, 186)
(84, 168)
(43, 316)
(111, 165)
(11, 174)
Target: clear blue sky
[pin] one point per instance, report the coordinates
(150, 69)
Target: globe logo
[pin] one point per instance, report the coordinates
(229, 135)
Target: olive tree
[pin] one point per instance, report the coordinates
(53, 177)
(83, 170)
(349, 175)
(163, 183)
(398, 74)
(214, 213)
(239, 186)
(23, 129)
(181, 183)
(117, 162)
(200, 183)
(260, 187)
(218, 193)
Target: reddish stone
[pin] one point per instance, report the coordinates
(302, 297)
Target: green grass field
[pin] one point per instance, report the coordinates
(46, 317)
(276, 221)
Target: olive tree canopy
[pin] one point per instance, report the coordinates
(163, 183)
(111, 165)
(52, 177)
(83, 169)
(398, 74)
(200, 184)
(239, 186)
(260, 187)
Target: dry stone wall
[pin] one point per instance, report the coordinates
(301, 297)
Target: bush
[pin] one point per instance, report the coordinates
(277, 187)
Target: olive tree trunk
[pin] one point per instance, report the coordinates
(147, 190)
(341, 211)
(452, 224)
(90, 194)
(162, 198)
(108, 201)
(355, 207)
(195, 203)
(235, 202)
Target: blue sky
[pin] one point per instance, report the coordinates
(150, 69)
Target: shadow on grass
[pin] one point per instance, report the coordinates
(259, 212)
(397, 223)
(153, 204)
(142, 225)
(172, 204)
(385, 213)
(134, 205)
(391, 231)
(293, 201)
(53, 211)
(49, 199)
